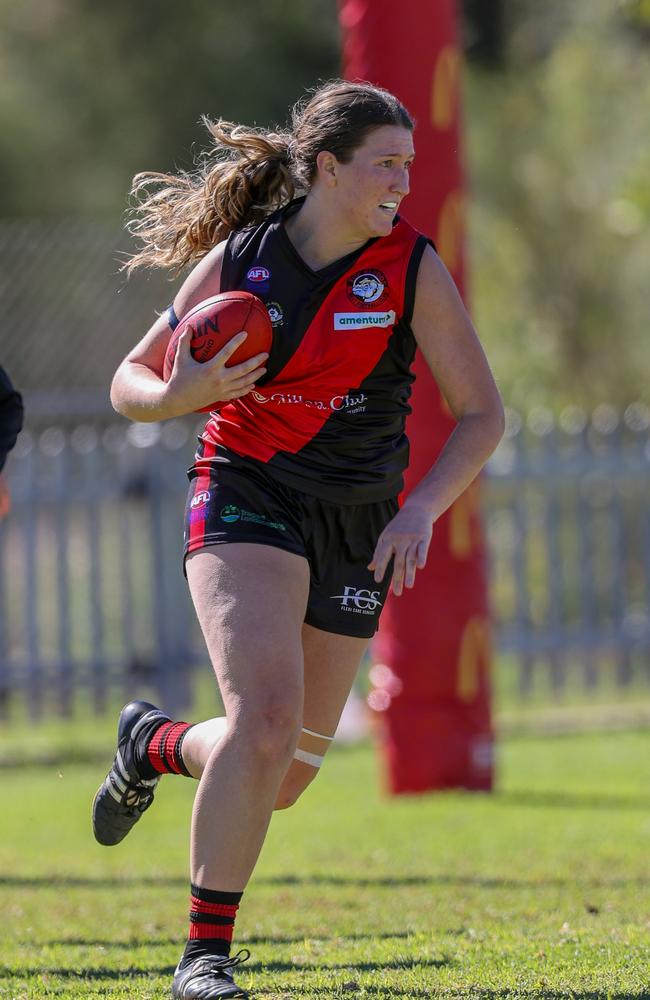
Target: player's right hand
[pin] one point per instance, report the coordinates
(193, 384)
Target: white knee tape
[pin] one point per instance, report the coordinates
(308, 758)
(310, 732)
(314, 759)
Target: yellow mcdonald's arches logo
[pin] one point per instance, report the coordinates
(461, 515)
(475, 653)
(445, 87)
(451, 230)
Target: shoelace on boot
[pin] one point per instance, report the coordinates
(216, 963)
(138, 798)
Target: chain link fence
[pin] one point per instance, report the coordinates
(70, 315)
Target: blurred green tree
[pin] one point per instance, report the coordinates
(559, 162)
(92, 93)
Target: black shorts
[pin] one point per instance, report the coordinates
(245, 504)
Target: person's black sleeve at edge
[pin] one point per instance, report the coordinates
(11, 416)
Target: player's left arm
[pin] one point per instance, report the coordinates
(452, 350)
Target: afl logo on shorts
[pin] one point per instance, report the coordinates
(367, 288)
(258, 279)
(200, 499)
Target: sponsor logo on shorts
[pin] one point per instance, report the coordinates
(367, 288)
(362, 321)
(276, 315)
(358, 602)
(231, 513)
(200, 499)
(348, 403)
(258, 279)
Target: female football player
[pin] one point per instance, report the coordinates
(292, 526)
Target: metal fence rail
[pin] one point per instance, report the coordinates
(569, 537)
(92, 597)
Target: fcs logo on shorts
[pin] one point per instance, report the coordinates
(360, 602)
(258, 279)
(230, 513)
(367, 288)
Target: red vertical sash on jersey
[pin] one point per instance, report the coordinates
(335, 354)
(435, 640)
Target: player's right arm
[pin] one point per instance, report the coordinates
(138, 390)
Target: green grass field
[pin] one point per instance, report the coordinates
(539, 890)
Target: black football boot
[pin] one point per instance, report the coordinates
(124, 795)
(209, 978)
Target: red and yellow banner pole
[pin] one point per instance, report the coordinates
(433, 648)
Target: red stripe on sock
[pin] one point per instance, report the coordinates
(170, 744)
(222, 931)
(161, 749)
(216, 909)
(154, 750)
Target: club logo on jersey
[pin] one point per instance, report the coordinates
(276, 314)
(367, 288)
(200, 499)
(359, 602)
(362, 321)
(258, 279)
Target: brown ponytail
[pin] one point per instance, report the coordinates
(179, 217)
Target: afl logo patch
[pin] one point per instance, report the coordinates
(258, 279)
(367, 288)
(258, 273)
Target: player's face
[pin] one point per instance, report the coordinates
(373, 184)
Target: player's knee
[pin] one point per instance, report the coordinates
(271, 725)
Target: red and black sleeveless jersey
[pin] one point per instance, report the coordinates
(328, 417)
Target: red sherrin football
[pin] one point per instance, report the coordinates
(214, 322)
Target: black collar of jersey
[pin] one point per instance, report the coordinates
(335, 267)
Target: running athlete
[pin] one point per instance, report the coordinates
(292, 526)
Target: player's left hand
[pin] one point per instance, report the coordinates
(405, 539)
